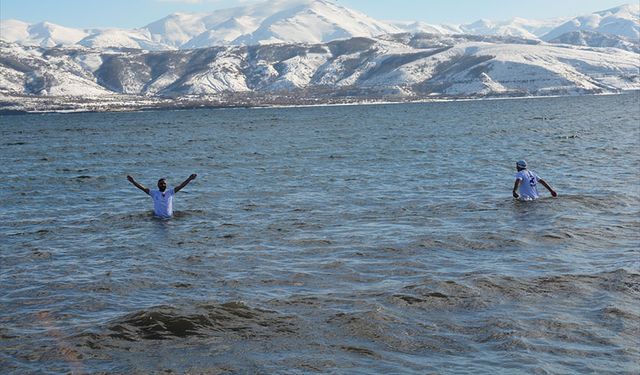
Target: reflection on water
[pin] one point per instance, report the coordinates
(364, 239)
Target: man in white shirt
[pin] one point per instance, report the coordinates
(525, 187)
(162, 198)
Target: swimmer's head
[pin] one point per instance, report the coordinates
(521, 164)
(162, 184)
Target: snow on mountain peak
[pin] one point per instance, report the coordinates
(516, 27)
(621, 21)
(278, 21)
(275, 21)
(43, 34)
(14, 31)
(627, 11)
(301, 21)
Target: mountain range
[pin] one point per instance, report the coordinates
(301, 21)
(310, 52)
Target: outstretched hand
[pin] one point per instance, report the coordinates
(136, 184)
(554, 194)
(185, 182)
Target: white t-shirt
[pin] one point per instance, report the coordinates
(529, 185)
(162, 202)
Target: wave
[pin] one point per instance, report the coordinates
(231, 320)
(477, 293)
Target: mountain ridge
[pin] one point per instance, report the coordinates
(622, 21)
(400, 65)
(301, 21)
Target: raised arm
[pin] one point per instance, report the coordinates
(189, 179)
(546, 185)
(136, 184)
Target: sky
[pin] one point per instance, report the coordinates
(138, 13)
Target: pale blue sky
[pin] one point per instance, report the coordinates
(138, 13)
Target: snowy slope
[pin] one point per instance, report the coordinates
(224, 33)
(594, 39)
(424, 27)
(120, 38)
(276, 21)
(314, 22)
(178, 28)
(43, 34)
(622, 21)
(413, 65)
(517, 27)
(37, 71)
(531, 69)
(301, 21)
(14, 31)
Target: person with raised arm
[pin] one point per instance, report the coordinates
(525, 187)
(162, 198)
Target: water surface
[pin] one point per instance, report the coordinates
(355, 239)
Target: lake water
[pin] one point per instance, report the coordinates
(355, 240)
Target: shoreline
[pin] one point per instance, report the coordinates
(178, 105)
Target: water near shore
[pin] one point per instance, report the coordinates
(360, 239)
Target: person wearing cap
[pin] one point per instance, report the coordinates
(525, 187)
(162, 198)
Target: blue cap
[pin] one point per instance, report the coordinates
(521, 164)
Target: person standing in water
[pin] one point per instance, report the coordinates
(525, 187)
(162, 198)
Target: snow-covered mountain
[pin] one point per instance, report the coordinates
(621, 21)
(118, 38)
(311, 50)
(301, 21)
(407, 65)
(427, 28)
(518, 27)
(43, 34)
(274, 21)
(594, 39)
